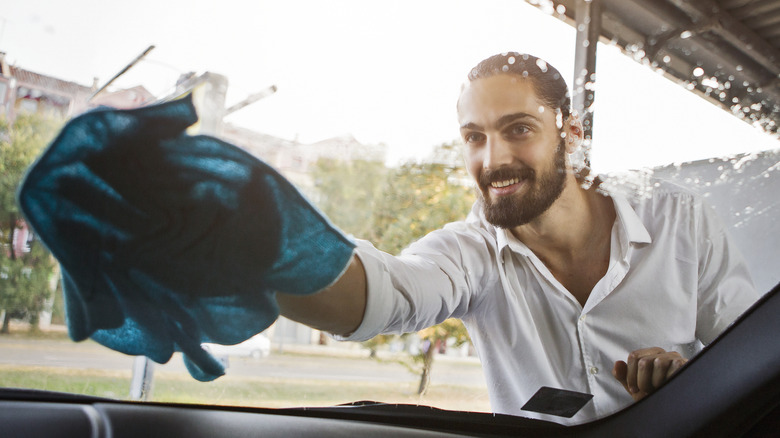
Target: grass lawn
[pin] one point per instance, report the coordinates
(240, 391)
(231, 389)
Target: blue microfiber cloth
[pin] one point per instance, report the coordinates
(167, 240)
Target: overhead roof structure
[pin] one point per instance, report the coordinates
(727, 51)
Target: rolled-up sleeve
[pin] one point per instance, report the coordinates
(422, 287)
(378, 298)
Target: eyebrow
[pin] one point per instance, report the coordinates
(503, 121)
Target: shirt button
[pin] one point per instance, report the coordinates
(594, 370)
(582, 318)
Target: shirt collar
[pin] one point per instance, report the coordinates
(627, 219)
(504, 238)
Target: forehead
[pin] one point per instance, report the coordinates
(486, 100)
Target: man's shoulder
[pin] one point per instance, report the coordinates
(473, 231)
(641, 187)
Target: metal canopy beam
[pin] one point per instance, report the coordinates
(588, 25)
(725, 51)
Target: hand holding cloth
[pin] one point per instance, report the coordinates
(167, 240)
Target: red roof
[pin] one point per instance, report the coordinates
(47, 83)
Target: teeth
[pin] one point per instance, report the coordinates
(509, 182)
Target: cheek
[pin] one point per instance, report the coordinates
(539, 152)
(473, 161)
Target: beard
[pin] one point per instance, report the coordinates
(541, 192)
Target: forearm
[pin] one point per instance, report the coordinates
(338, 309)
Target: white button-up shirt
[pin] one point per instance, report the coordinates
(674, 281)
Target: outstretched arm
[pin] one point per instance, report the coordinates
(338, 309)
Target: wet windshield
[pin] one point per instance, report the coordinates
(354, 103)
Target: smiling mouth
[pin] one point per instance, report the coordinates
(504, 183)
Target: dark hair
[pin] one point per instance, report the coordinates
(547, 81)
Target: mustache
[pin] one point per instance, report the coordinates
(504, 173)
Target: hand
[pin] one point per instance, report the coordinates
(646, 370)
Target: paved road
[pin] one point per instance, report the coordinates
(294, 363)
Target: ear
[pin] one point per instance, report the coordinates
(572, 127)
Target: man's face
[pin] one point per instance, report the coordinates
(514, 148)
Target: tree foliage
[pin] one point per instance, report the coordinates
(395, 207)
(20, 143)
(421, 197)
(347, 193)
(26, 285)
(434, 338)
(24, 277)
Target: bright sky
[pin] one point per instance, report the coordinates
(385, 71)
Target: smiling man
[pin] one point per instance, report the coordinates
(560, 282)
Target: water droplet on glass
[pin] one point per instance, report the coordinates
(542, 65)
(511, 60)
(686, 34)
(667, 59)
(698, 71)
(708, 82)
(739, 68)
(541, 109)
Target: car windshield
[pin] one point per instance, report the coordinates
(354, 103)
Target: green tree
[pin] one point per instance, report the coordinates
(347, 193)
(422, 197)
(24, 278)
(392, 208)
(433, 339)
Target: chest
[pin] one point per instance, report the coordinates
(630, 302)
(579, 275)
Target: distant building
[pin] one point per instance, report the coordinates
(296, 160)
(129, 98)
(24, 91)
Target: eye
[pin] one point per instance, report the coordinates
(517, 130)
(474, 137)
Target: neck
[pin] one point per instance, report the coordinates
(572, 238)
(576, 220)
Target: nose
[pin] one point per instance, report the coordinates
(497, 153)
